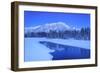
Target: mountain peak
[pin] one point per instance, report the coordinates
(58, 24)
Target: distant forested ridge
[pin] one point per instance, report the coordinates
(81, 34)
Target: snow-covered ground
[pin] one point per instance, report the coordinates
(70, 42)
(35, 51)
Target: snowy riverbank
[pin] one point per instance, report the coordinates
(35, 51)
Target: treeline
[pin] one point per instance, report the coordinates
(83, 34)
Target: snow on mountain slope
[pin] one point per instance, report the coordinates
(58, 26)
(32, 29)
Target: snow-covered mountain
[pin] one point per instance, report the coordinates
(58, 26)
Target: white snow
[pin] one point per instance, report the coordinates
(57, 26)
(70, 42)
(35, 51)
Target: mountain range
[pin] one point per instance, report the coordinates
(58, 26)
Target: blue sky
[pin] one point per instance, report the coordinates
(34, 18)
